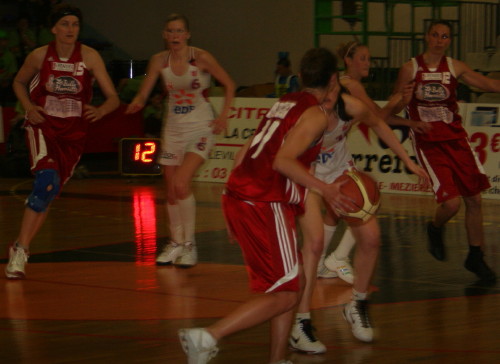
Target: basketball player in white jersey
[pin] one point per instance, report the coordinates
(333, 160)
(188, 130)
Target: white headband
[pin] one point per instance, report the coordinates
(350, 47)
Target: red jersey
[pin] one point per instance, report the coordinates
(62, 88)
(435, 101)
(255, 179)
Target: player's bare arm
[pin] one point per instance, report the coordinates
(154, 67)
(95, 64)
(475, 79)
(361, 113)
(307, 131)
(209, 64)
(29, 69)
(404, 86)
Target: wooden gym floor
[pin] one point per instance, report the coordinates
(94, 295)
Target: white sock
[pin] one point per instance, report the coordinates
(358, 295)
(345, 246)
(328, 231)
(187, 208)
(302, 316)
(19, 246)
(207, 341)
(175, 223)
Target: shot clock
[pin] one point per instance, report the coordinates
(138, 156)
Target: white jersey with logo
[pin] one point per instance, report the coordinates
(334, 157)
(187, 95)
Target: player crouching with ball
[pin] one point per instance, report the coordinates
(332, 162)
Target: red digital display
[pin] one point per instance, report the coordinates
(138, 156)
(143, 151)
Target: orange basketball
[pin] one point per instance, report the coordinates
(363, 191)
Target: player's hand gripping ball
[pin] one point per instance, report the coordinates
(364, 193)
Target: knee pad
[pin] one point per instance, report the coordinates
(45, 189)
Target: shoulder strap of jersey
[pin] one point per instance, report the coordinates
(192, 59)
(76, 52)
(340, 106)
(449, 61)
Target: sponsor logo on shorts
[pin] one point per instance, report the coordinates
(167, 155)
(202, 145)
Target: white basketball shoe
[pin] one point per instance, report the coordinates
(343, 268)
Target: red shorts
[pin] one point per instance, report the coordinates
(266, 233)
(453, 167)
(50, 152)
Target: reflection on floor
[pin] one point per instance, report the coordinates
(94, 291)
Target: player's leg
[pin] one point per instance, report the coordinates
(328, 233)
(475, 237)
(174, 247)
(277, 307)
(19, 251)
(197, 148)
(45, 188)
(262, 308)
(266, 233)
(435, 228)
(434, 159)
(445, 211)
(187, 206)
(356, 312)
(474, 220)
(302, 336)
(280, 331)
(338, 261)
(30, 225)
(311, 224)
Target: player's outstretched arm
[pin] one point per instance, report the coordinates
(152, 73)
(361, 113)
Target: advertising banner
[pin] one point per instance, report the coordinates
(370, 153)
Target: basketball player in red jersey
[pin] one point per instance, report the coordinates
(444, 150)
(54, 86)
(264, 194)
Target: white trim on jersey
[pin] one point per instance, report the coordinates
(478, 163)
(288, 277)
(415, 67)
(294, 193)
(287, 247)
(449, 60)
(38, 150)
(34, 82)
(423, 160)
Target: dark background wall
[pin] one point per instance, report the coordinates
(244, 35)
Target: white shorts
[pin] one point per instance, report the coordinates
(176, 143)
